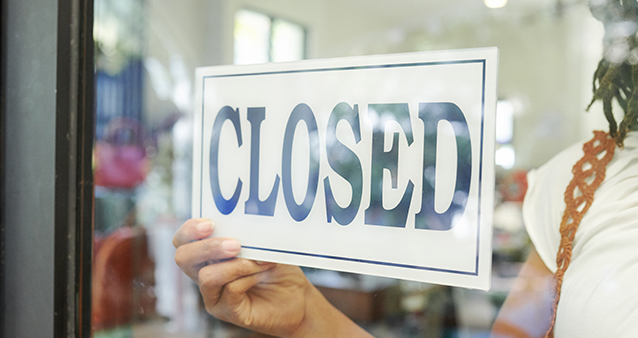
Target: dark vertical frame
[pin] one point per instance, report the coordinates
(46, 137)
(2, 124)
(73, 168)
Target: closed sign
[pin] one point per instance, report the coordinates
(380, 165)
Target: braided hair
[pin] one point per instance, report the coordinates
(617, 72)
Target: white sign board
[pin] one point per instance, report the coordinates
(380, 165)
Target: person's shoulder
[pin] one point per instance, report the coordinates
(566, 158)
(544, 201)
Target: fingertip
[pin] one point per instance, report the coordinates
(264, 263)
(231, 245)
(205, 227)
(192, 230)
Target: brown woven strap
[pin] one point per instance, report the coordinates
(589, 173)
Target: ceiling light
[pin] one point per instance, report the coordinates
(495, 3)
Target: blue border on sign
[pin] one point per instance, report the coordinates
(398, 65)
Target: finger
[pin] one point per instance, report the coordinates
(193, 256)
(192, 230)
(234, 293)
(193, 272)
(213, 278)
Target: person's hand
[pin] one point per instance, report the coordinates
(262, 296)
(275, 299)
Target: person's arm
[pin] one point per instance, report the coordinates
(527, 309)
(275, 299)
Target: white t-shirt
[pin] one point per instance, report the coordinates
(599, 295)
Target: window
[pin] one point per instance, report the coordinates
(260, 38)
(505, 155)
(148, 53)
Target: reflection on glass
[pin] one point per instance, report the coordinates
(344, 162)
(140, 101)
(504, 121)
(505, 157)
(432, 114)
(146, 53)
(376, 213)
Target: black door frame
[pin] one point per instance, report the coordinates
(2, 161)
(66, 223)
(73, 167)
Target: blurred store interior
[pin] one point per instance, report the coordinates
(146, 56)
